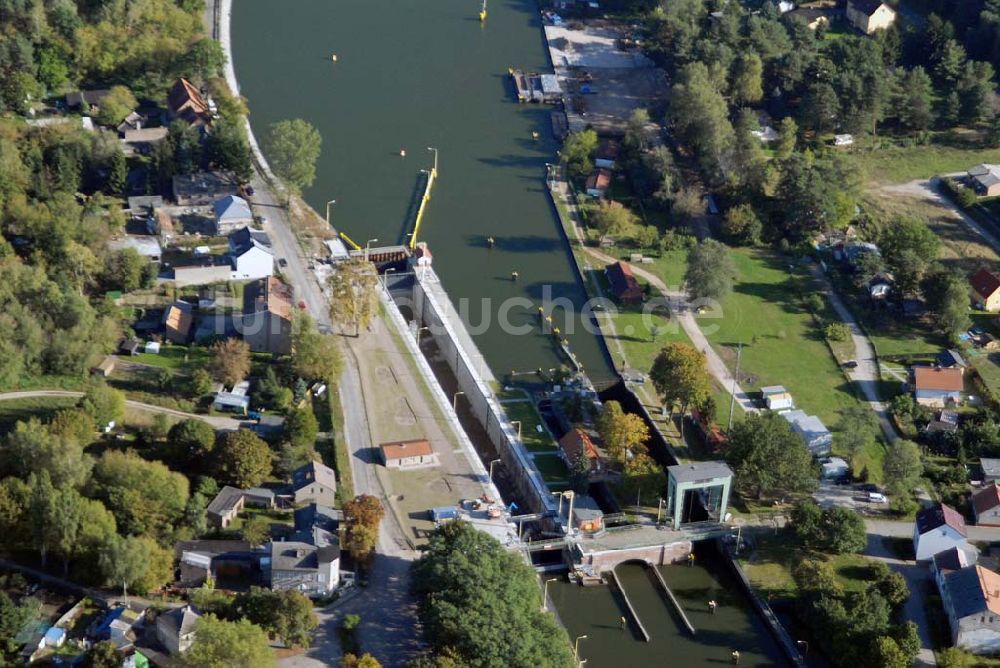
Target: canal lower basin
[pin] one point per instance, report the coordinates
(597, 611)
(411, 75)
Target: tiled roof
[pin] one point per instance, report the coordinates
(938, 516)
(930, 378)
(985, 283)
(986, 499)
(401, 449)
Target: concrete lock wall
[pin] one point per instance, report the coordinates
(656, 555)
(433, 309)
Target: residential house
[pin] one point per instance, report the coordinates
(811, 429)
(129, 347)
(991, 469)
(606, 154)
(937, 529)
(952, 559)
(777, 398)
(624, 286)
(985, 290)
(259, 497)
(142, 141)
(587, 515)
(177, 322)
(870, 15)
(598, 183)
(971, 600)
(266, 325)
(937, 387)
(175, 629)
(813, 18)
(946, 422)
(236, 400)
(143, 206)
(985, 180)
(86, 100)
(231, 213)
(105, 368)
(577, 441)
(314, 483)
(834, 468)
(250, 254)
(310, 569)
(186, 102)
(986, 506)
(224, 508)
(148, 247)
(134, 121)
(203, 188)
(412, 454)
(315, 516)
(118, 626)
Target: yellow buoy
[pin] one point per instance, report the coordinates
(402, 153)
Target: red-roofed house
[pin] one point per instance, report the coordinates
(417, 453)
(985, 290)
(934, 386)
(579, 440)
(986, 506)
(598, 183)
(186, 102)
(623, 284)
(937, 529)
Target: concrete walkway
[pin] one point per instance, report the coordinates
(219, 422)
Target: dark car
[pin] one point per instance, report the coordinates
(250, 191)
(282, 262)
(851, 364)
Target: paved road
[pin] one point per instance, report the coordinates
(218, 422)
(866, 375)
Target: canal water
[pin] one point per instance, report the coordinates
(597, 611)
(409, 75)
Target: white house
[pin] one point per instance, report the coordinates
(251, 255)
(175, 629)
(870, 15)
(986, 506)
(314, 483)
(231, 213)
(408, 454)
(937, 529)
(971, 599)
(311, 569)
(812, 430)
(934, 386)
(777, 398)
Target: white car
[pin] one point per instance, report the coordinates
(877, 497)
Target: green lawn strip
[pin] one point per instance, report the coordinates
(534, 440)
(781, 343)
(903, 164)
(13, 410)
(552, 468)
(174, 357)
(769, 567)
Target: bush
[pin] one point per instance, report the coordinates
(838, 331)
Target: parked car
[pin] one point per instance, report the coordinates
(877, 497)
(282, 262)
(851, 364)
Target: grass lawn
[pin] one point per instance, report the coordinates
(781, 343)
(174, 357)
(769, 567)
(552, 468)
(21, 409)
(536, 438)
(899, 164)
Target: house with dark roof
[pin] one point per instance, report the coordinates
(950, 359)
(933, 386)
(971, 599)
(985, 180)
(251, 254)
(985, 290)
(870, 15)
(304, 567)
(203, 188)
(77, 100)
(416, 453)
(624, 286)
(953, 559)
(937, 529)
(175, 628)
(186, 102)
(224, 508)
(579, 440)
(991, 468)
(266, 324)
(316, 515)
(314, 483)
(221, 560)
(606, 154)
(986, 506)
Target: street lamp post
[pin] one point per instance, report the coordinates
(569, 515)
(333, 201)
(431, 148)
(491, 468)
(545, 593)
(576, 647)
(518, 423)
(454, 400)
(385, 278)
(368, 245)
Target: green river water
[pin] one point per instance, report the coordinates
(412, 74)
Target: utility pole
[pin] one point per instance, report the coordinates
(732, 399)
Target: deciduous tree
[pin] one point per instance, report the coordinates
(230, 361)
(680, 375)
(242, 459)
(315, 356)
(292, 148)
(710, 271)
(353, 300)
(223, 644)
(769, 458)
(623, 433)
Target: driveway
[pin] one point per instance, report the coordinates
(930, 189)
